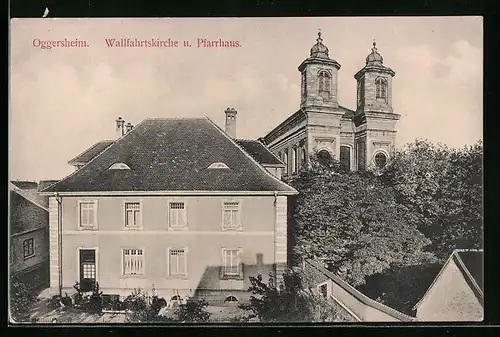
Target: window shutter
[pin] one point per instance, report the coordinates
(223, 264)
(240, 263)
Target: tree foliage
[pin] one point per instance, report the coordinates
(426, 202)
(354, 222)
(288, 303)
(441, 189)
(22, 297)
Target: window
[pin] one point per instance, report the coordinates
(345, 158)
(133, 262)
(324, 84)
(231, 215)
(361, 154)
(28, 248)
(323, 289)
(231, 263)
(380, 160)
(177, 262)
(132, 215)
(119, 166)
(294, 160)
(87, 211)
(304, 84)
(231, 299)
(381, 88)
(177, 215)
(303, 156)
(285, 161)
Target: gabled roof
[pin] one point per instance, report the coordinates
(30, 191)
(91, 152)
(172, 155)
(473, 262)
(25, 185)
(25, 213)
(470, 264)
(259, 152)
(45, 183)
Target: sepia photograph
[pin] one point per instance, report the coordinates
(245, 170)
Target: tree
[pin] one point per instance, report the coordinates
(288, 303)
(354, 222)
(441, 189)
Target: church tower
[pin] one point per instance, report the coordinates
(319, 102)
(319, 78)
(374, 119)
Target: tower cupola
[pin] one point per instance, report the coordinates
(319, 50)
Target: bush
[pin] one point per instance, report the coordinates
(91, 303)
(142, 307)
(193, 311)
(22, 297)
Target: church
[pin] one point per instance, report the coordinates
(360, 139)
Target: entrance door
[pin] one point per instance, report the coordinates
(87, 269)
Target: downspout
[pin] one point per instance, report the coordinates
(275, 281)
(59, 239)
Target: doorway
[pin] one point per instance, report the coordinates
(87, 269)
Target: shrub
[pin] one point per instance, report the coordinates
(91, 303)
(22, 297)
(193, 311)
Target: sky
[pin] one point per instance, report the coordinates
(63, 100)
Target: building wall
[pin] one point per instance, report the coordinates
(41, 248)
(450, 299)
(204, 240)
(356, 303)
(27, 221)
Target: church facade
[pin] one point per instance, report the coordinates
(360, 139)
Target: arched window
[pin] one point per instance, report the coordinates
(380, 160)
(231, 299)
(381, 88)
(345, 157)
(294, 160)
(304, 84)
(285, 160)
(325, 81)
(324, 157)
(361, 91)
(303, 156)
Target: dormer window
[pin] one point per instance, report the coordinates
(119, 166)
(218, 165)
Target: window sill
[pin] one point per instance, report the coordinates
(87, 228)
(177, 277)
(177, 228)
(29, 257)
(232, 277)
(133, 228)
(126, 277)
(233, 229)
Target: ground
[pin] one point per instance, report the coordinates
(42, 314)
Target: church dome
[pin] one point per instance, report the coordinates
(374, 58)
(319, 49)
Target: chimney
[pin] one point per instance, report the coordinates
(231, 122)
(128, 127)
(120, 130)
